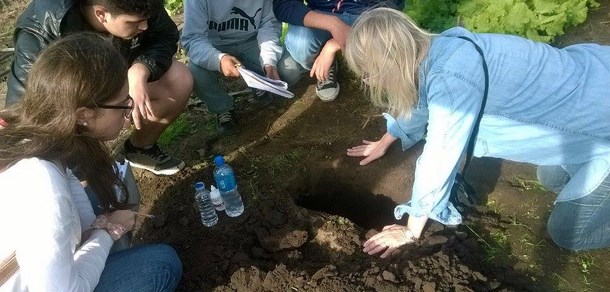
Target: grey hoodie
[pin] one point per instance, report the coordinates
(210, 23)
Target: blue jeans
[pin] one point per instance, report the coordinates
(206, 85)
(154, 267)
(303, 45)
(582, 223)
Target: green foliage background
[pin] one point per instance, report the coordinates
(540, 20)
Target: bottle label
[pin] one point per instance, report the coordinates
(226, 183)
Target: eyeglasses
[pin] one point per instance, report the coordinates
(128, 108)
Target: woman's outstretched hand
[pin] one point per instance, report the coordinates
(371, 150)
(389, 240)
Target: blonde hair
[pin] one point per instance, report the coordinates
(385, 48)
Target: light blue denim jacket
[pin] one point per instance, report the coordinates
(545, 106)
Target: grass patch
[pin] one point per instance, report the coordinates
(178, 128)
(496, 245)
(527, 184)
(585, 263)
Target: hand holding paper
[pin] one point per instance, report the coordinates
(254, 80)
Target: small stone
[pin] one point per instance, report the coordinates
(388, 276)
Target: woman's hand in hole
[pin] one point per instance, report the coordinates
(372, 150)
(389, 240)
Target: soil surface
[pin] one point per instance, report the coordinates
(309, 207)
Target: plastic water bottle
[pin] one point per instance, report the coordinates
(225, 181)
(204, 203)
(216, 199)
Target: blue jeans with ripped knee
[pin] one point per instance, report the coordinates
(578, 224)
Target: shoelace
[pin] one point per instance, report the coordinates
(225, 117)
(331, 77)
(156, 153)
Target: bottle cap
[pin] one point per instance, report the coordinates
(199, 186)
(219, 160)
(214, 192)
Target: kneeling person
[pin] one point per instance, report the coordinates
(146, 37)
(218, 35)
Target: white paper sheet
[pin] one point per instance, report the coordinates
(254, 80)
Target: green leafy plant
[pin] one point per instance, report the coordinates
(174, 6)
(434, 15)
(539, 20)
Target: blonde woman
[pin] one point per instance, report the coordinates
(545, 106)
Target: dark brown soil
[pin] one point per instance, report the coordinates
(309, 207)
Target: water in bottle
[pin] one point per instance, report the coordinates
(225, 181)
(204, 203)
(216, 199)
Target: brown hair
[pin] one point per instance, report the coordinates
(80, 70)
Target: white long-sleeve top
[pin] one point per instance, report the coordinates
(210, 23)
(43, 211)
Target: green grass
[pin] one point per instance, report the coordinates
(585, 263)
(527, 184)
(495, 246)
(178, 128)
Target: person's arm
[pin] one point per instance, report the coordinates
(159, 45)
(45, 234)
(195, 36)
(290, 11)
(453, 108)
(27, 47)
(268, 38)
(333, 24)
(81, 200)
(409, 131)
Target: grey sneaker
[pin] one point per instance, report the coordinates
(226, 124)
(328, 89)
(152, 159)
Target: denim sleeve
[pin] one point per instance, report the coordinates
(453, 105)
(408, 130)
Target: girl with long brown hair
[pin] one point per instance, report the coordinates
(76, 98)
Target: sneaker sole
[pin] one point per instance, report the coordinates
(171, 171)
(330, 98)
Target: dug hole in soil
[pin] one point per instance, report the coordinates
(309, 207)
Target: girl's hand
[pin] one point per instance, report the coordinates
(124, 217)
(390, 239)
(372, 150)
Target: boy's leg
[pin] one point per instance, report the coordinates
(582, 223)
(304, 44)
(169, 96)
(289, 69)
(208, 89)
(248, 53)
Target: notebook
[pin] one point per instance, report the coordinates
(257, 81)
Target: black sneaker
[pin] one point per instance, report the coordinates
(328, 89)
(226, 124)
(152, 159)
(262, 98)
